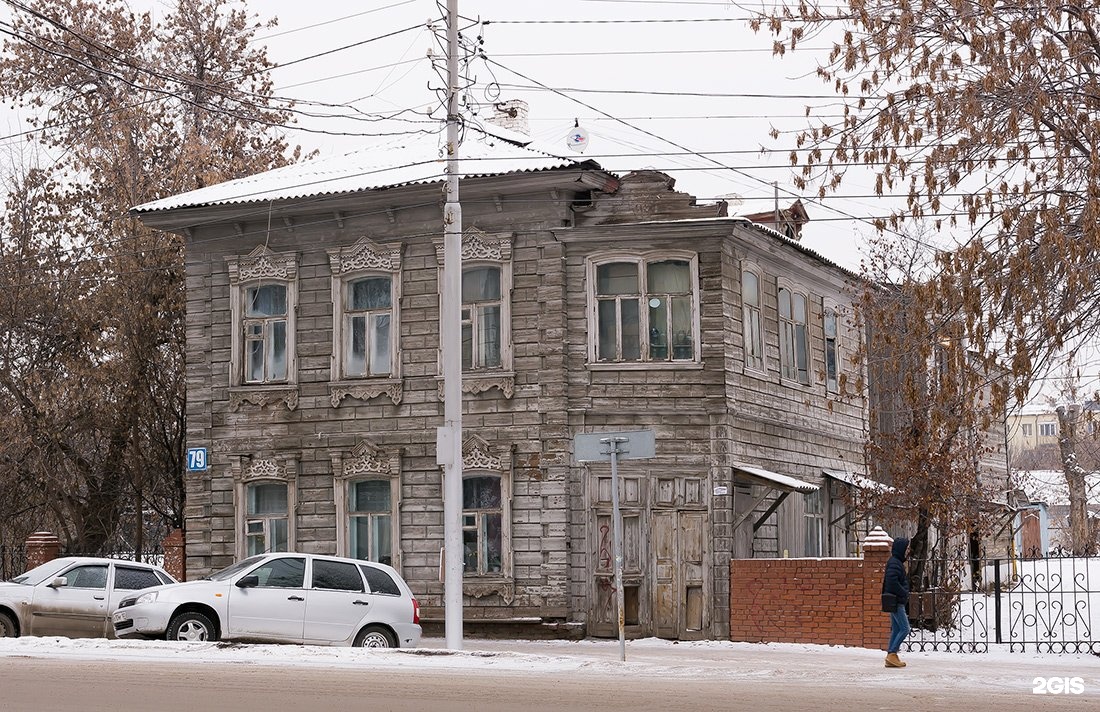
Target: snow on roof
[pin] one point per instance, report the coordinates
(1049, 486)
(858, 481)
(414, 159)
(782, 481)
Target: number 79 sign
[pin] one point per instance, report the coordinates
(196, 459)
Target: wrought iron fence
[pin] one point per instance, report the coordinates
(13, 561)
(1044, 604)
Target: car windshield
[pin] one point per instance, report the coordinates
(40, 573)
(231, 571)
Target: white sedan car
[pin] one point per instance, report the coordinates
(73, 596)
(281, 598)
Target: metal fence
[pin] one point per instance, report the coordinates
(1043, 604)
(13, 561)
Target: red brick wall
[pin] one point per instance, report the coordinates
(825, 601)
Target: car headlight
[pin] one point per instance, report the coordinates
(146, 598)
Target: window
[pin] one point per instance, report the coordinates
(481, 525)
(1047, 430)
(371, 521)
(336, 576)
(481, 318)
(1026, 429)
(281, 573)
(750, 321)
(815, 523)
(831, 358)
(379, 581)
(645, 310)
(793, 346)
(368, 316)
(265, 334)
(266, 526)
(263, 296)
(366, 294)
(94, 576)
(128, 578)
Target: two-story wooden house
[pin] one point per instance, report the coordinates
(590, 302)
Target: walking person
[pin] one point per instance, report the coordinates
(896, 582)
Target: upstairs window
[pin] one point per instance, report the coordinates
(368, 333)
(1047, 430)
(481, 318)
(751, 323)
(646, 310)
(794, 353)
(832, 383)
(265, 327)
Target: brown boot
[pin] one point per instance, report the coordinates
(892, 660)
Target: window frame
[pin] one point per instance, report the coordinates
(366, 461)
(643, 260)
(1048, 430)
(814, 518)
(831, 305)
(480, 249)
(247, 471)
(258, 268)
(760, 364)
(480, 459)
(362, 260)
(474, 319)
(788, 328)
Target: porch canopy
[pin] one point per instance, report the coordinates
(858, 481)
(773, 482)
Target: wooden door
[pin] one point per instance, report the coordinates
(681, 608)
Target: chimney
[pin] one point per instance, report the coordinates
(511, 115)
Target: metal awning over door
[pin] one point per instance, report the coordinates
(772, 482)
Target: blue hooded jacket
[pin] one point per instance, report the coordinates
(896, 581)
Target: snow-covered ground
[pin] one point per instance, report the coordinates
(829, 666)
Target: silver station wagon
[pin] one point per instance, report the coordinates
(281, 598)
(73, 596)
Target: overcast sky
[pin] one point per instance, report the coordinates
(704, 83)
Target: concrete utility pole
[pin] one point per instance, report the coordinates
(449, 437)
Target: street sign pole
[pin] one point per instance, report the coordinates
(617, 537)
(597, 447)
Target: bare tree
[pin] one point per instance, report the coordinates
(130, 110)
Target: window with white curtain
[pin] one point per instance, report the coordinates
(368, 332)
(794, 355)
(265, 333)
(266, 521)
(481, 317)
(370, 520)
(646, 310)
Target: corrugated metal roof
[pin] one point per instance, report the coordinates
(418, 158)
(857, 480)
(776, 480)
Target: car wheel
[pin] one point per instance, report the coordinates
(192, 626)
(7, 627)
(374, 636)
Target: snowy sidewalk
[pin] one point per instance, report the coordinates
(932, 674)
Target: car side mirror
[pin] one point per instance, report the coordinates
(59, 582)
(250, 581)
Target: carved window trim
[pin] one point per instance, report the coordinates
(483, 249)
(262, 266)
(247, 471)
(366, 461)
(365, 258)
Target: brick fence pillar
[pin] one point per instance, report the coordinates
(173, 554)
(42, 547)
(876, 624)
